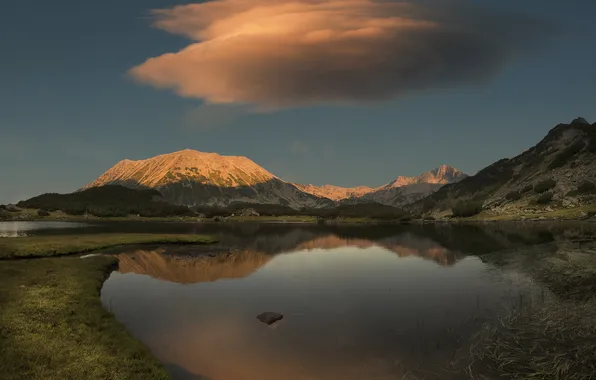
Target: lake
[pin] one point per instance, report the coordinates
(359, 302)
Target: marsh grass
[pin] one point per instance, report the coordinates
(57, 245)
(554, 339)
(53, 326)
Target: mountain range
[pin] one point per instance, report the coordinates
(192, 178)
(557, 173)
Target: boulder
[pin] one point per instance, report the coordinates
(12, 208)
(269, 317)
(42, 212)
(249, 212)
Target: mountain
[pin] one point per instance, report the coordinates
(406, 190)
(193, 178)
(558, 172)
(399, 192)
(335, 193)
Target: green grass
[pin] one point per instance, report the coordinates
(53, 325)
(46, 246)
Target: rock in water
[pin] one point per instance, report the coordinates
(269, 317)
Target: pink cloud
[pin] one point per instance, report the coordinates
(276, 53)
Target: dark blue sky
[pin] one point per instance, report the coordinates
(69, 110)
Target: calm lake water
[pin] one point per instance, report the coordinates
(359, 302)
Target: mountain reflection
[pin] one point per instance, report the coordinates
(187, 265)
(190, 269)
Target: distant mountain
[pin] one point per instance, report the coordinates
(558, 172)
(399, 192)
(193, 178)
(406, 190)
(336, 193)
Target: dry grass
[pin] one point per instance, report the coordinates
(552, 340)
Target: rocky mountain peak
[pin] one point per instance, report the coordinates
(442, 175)
(580, 120)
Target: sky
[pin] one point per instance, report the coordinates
(343, 92)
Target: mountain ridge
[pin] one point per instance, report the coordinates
(558, 172)
(193, 178)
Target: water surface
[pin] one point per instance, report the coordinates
(358, 303)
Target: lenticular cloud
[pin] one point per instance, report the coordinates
(288, 53)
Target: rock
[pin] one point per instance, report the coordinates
(249, 212)
(42, 212)
(580, 120)
(91, 255)
(269, 317)
(12, 208)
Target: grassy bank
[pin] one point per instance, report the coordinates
(52, 323)
(53, 326)
(46, 246)
(554, 339)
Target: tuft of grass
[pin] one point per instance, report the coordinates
(53, 325)
(552, 342)
(553, 339)
(57, 245)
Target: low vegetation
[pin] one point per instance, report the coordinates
(465, 209)
(108, 201)
(55, 245)
(565, 156)
(53, 326)
(542, 199)
(544, 186)
(549, 339)
(513, 196)
(586, 187)
(52, 323)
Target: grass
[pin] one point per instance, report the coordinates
(46, 246)
(31, 214)
(555, 339)
(567, 213)
(53, 326)
(553, 342)
(281, 218)
(52, 323)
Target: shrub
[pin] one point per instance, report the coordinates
(564, 157)
(465, 209)
(513, 196)
(429, 218)
(42, 212)
(543, 199)
(527, 189)
(544, 186)
(585, 187)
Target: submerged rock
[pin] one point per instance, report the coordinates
(269, 317)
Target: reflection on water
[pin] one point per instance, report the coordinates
(18, 229)
(390, 306)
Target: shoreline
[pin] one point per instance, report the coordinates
(52, 321)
